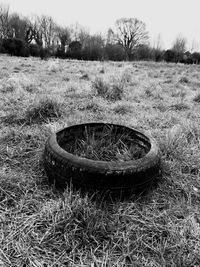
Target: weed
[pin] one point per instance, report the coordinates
(101, 86)
(126, 76)
(179, 93)
(122, 109)
(85, 77)
(184, 80)
(102, 71)
(148, 92)
(110, 90)
(197, 98)
(168, 81)
(66, 79)
(46, 109)
(179, 106)
(52, 66)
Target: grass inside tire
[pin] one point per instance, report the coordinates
(64, 168)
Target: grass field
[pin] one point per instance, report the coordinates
(40, 226)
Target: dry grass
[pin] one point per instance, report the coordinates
(197, 98)
(110, 90)
(43, 110)
(106, 145)
(42, 227)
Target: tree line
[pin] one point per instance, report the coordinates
(41, 36)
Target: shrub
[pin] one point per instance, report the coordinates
(34, 50)
(196, 57)
(169, 56)
(142, 52)
(16, 47)
(187, 58)
(92, 53)
(74, 50)
(60, 53)
(114, 52)
(157, 54)
(2, 48)
(44, 53)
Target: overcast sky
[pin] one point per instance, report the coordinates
(168, 18)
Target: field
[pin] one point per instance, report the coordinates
(40, 226)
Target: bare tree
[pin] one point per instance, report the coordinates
(179, 45)
(64, 36)
(158, 43)
(93, 47)
(194, 46)
(18, 26)
(48, 30)
(110, 37)
(79, 33)
(130, 33)
(4, 21)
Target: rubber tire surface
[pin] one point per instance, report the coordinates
(63, 168)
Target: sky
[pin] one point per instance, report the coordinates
(165, 18)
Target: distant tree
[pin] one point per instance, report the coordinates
(16, 47)
(74, 50)
(187, 58)
(179, 48)
(130, 33)
(157, 49)
(93, 48)
(179, 44)
(45, 53)
(18, 26)
(114, 52)
(110, 37)
(169, 55)
(34, 50)
(142, 52)
(48, 30)
(196, 57)
(4, 21)
(158, 43)
(79, 33)
(194, 46)
(157, 54)
(64, 37)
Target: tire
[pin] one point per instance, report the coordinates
(63, 168)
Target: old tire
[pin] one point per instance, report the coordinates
(64, 168)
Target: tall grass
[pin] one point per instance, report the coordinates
(44, 110)
(110, 90)
(106, 146)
